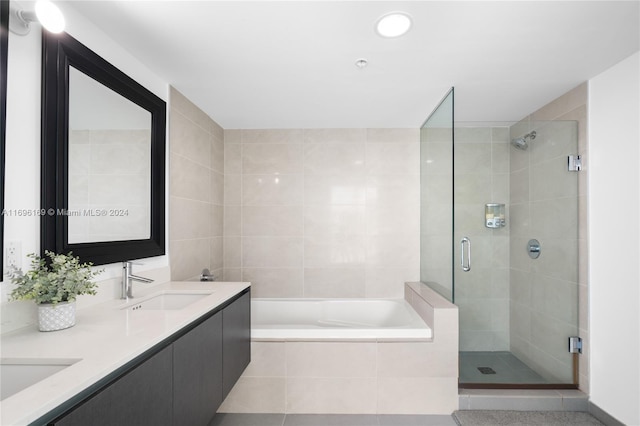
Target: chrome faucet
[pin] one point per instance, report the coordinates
(207, 276)
(128, 277)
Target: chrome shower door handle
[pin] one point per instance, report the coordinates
(465, 267)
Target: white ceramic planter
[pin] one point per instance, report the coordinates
(56, 317)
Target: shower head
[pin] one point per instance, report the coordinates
(521, 143)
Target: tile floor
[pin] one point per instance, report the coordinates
(228, 419)
(508, 368)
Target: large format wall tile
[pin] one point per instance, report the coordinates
(188, 257)
(266, 190)
(197, 191)
(335, 135)
(422, 395)
(419, 359)
(190, 180)
(393, 135)
(331, 359)
(256, 395)
(335, 189)
(272, 221)
(272, 252)
(275, 282)
(191, 219)
(329, 204)
(350, 395)
(334, 220)
(481, 176)
(334, 158)
(268, 359)
(271, 158)
(330, 251)
(549, 295)
(278, 136)
(189, 140)
(335, 282)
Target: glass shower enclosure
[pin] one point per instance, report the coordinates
(499, 238)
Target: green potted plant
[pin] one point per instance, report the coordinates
(54, 284)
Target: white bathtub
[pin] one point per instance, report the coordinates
(350, 356)
(336, 319)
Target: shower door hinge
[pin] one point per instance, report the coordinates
(575, 345)
(575, 163)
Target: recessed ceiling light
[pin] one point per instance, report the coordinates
(361, 63)
(393, 24)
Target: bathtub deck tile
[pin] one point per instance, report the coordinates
(256, 395)
(339, 395)
(330, 359)
(267, 360)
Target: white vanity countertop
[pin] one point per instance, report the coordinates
(103, 339)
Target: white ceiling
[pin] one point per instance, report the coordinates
(265, 64)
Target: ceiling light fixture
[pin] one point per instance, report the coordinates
(393, 24)
(46, 13)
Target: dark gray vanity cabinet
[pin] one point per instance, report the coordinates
(236, 341)
(182, 383)
(197, 373)
(141, 397)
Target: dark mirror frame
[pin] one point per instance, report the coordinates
(4, 44)
(59, 51)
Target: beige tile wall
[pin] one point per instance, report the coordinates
(546, 205)
(322, 212)
(196, 189)
(110, 170)
(481, 176)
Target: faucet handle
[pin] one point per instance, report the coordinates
(129, 264)
(207, 276)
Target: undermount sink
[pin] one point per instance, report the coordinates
(19, 374)
(167, 300)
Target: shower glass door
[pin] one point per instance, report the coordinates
(515, 239)
(436, 198)
(499, 238)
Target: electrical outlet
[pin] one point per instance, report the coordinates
(13, 255)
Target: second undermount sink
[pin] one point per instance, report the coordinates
(19, 374)
(167, 300)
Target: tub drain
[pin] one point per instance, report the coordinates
(487, 370)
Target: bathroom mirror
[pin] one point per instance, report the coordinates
(103, 158)
(109, 164)
(4, 44)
